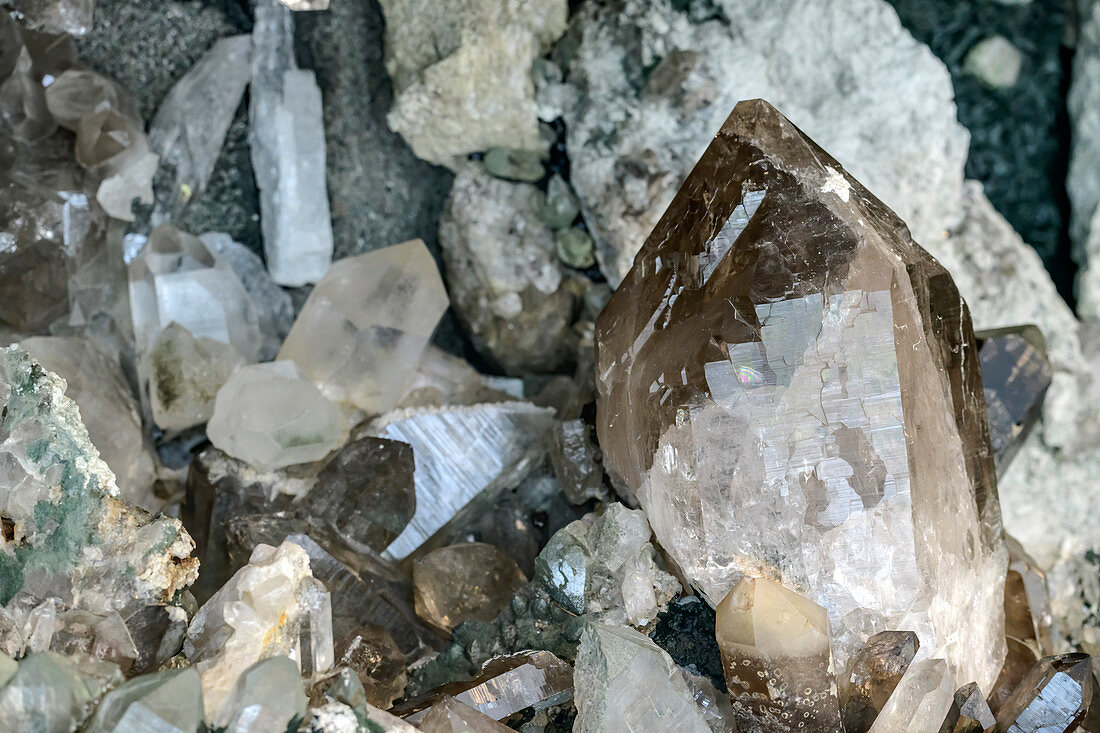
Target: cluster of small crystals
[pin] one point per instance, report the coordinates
(231, 503)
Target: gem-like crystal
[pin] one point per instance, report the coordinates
(1054, 696)
(873, 674)
(969, 712)
(266, 697)
(375, 657)
(1015, 377)
(451, 716)
(920, 702)
(786, 382)
(460, 582)
(185, 374)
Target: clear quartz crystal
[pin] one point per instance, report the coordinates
(920, 702)
(460, 582)
(185, 374)
(363, 329)
(266, 697)
(270, 416)
(164, 702)
(451, 716)
(288, 153)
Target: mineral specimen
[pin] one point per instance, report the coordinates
(67, 535)
(576, 461)
(778, 664)
(605, 566)
(789, 394)
(288, 152)
(258, 614)
(300, 5)
(873, 674)
(1054, 696)
(460, 582)
(375, 658)
(1015, 377)
(969, 712)
(78, 93)
(267, 696)
(365, 325)
(624, 682)
(271, 416)
(30, 57)
(188, 141)
(56, 16)
(505, 686)
(46, 693)
(167, 702)
(451, 716)
(185, 374)
(1027, 604)
(507, 285)
(920, 702)
(463, 454)
(445, 379)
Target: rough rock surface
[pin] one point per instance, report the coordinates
(1083, 180)
(653, 87)
(461, 71)
(505, 281)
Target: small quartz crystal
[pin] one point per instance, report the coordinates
(576, 461)
(56, 16)
(167, 702)
(460, 582)
(266, 697)
(969, 712)
(1054, 696)
(777, 660)
(46, 693)
(271, 416)
(379, 663)
(185, 374)
(1015, 375)
(873, 674)
(920, 702)
(363, 329)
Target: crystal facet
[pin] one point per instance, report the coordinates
(1054, 696)
(165, 702)
(873, 674)
(451, 716)
(460, 582)
(969, 712)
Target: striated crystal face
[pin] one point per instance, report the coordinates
(1055, 695)
(790, 386)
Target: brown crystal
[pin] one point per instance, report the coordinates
(873, 673)
(378, 662)
(1054, 696)
(1018, 662)
(1027, 602)
(969, 712)
(461, 582)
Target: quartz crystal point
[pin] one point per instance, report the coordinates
(460, 582)
(777, 661)
(266, 697)
(259, 613)
(788, 384)
(1015, 377)
(185, 374)
(288, 152)
(46, 693)
(1027, 602)
(177, 278)
(507, 685)
(56, 16)
(271, 416)
(463, 454)
(873, 674)
(576, 461)
(607, 567)
(31, 57)
(96, 383)
(624, 683)
(451, 716)
(67, 534)
(373, 655)
(920, 702)
(969, 712)
(1054, 696)
(165, 702)
(365, 325)
(190, 126)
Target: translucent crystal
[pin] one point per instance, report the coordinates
(920, 702)
(102, 636)
(777, 659)
(111, 144)
(96, 383)
(45, 694)
(33, 57)
(969, 712)
(185, 374)
(1027, 601)
(379, 663)
(789, 397)
(625, 683)
(177, 278)
(315, 637)
(266, 697)
(365, 325)
(460, 582)
(79, 93)
(451, 716)
(505, 686)
(164, 702)
(462, 454)
(873, 674)
(271, 416)
(445, 379)
(1054, 696)
(256, 615)
(76, 540)
(576, 461)
(288, 153)
(1017, 664)
(190, 125)
(56, 16)
(300, 5)
(606, 566)
(1015, 377)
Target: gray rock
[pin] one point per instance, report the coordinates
(1083, 178)
(462, 72)
(653, 86)
(506, 284)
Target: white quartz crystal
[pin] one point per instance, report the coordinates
(920, 702)
(185, 374)
(271, 416)
(364, 327)
(268, 696)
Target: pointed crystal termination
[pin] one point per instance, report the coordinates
(460, 582)
(921, 701)
(506, 685)
(190, 126)
(624, 682)
(1054, 696)
(1015, 377)
(874, 672)
(288, 153)
(67, 535)
(794, 395)
(1027, 601)
(451, 716)
(776, 656)
(363, 330)
(969, 712)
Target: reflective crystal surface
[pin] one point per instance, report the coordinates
(460, 582)
(266, 697)
(56, 16)
(373, 655)
(46, 693)
(1027, 601)
(873, 674)
(920, 702)
(777, 660)
(362, 330)
(1054, 696)
(576, 462)
(164, 702)
(271, 416)
(451, 716)
(969, 712)
(625, 683)
(786, 383)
